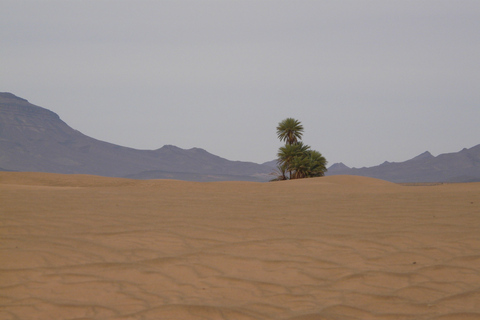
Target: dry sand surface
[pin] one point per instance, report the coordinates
(340, 247)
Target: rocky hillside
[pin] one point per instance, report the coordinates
(33, 138)
(462, 166)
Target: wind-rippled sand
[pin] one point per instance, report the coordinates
(340, 247)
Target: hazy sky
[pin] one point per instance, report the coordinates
(370, 80)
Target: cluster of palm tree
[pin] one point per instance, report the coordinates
(295, 159)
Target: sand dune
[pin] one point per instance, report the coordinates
(339, 247)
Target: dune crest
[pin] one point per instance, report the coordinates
(339, 247)
(346, 180)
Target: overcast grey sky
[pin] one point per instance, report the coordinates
(370, 80)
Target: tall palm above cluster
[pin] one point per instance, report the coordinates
(296, 160)
(290, 131)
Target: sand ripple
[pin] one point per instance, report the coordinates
(84, 247)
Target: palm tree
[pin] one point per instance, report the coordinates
(318, 164)
(313, 164)
(299, 167)
(290, 131)
(288, 153)
(295, 160)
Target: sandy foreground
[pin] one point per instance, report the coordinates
(340, 247)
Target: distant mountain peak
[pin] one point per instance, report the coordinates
(8, 95)
(338, 166)
(196, 149)
(9, 101)
(423, 156)
(170, 147)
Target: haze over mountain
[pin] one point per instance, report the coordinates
(462, 166)
(33, 138)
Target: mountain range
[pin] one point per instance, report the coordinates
(33, 138)
(462, 166)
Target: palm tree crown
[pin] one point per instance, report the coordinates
(290, 130)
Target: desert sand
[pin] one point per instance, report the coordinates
(340, 247)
